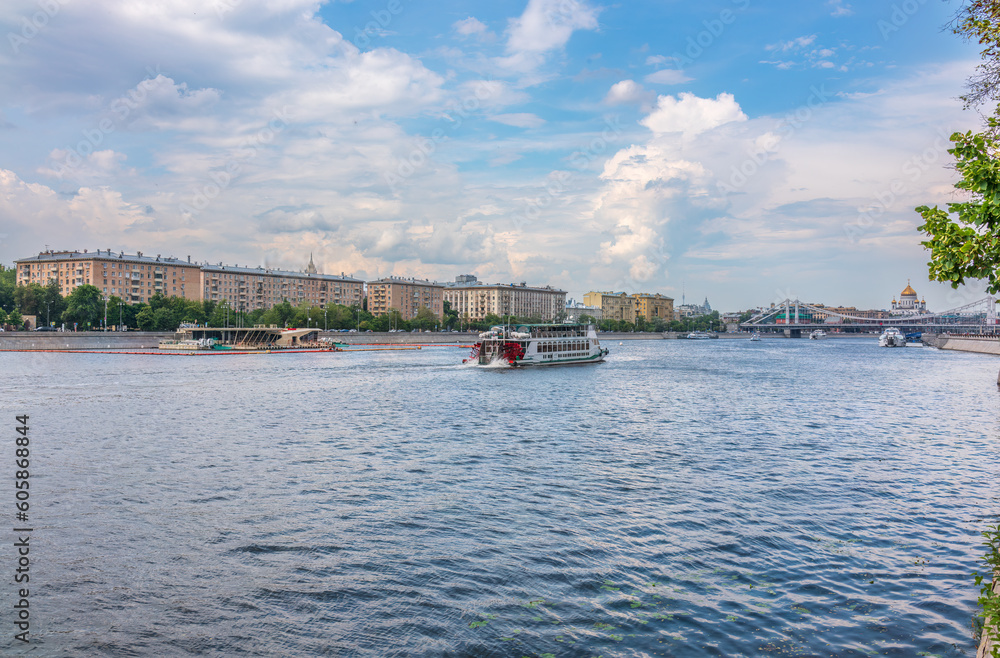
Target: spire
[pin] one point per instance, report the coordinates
(311, 268)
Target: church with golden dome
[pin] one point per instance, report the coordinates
(908, 303)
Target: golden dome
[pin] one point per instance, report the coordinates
(908, 291)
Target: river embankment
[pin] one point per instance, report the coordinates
(134, 340)
(985, 344)
(98, 340)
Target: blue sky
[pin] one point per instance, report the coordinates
(735, 149)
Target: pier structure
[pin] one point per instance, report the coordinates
(257, 337)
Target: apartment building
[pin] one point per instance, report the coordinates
(653, 306)
(474, 300)
(614, 305)
(407, 296)
(134, 278)
(249, 288)
(621, 306)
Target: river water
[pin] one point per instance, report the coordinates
(785, 497)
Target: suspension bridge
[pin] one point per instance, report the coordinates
(791, 316)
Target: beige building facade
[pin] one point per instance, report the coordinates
(247, 289)
(629, 308)
(407, 296)
(614, 305)
(651, 307)
(474, 301)
(136, 278)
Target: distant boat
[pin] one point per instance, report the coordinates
(818, 334)
(892, 337)
(755, 336)
(701, 335)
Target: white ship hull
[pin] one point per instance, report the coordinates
(540, 345)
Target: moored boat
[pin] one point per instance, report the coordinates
(188, 344)
(538, 345)
(701, 335)
(755, 336)
(891, 337)
(817, 334)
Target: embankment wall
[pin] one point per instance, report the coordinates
(80, 340)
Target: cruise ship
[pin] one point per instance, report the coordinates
(538, 345)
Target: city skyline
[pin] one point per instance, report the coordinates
(740, 153)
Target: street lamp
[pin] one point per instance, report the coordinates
(324, 319)
(48, 313)
(105, 313)
(121, 305)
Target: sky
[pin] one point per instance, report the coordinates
(737, 150)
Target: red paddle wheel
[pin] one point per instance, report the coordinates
(512, 352)
(475, 353)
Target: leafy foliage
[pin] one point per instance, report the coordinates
(989, 599)
(979, 21)
(84, 306)
(967, 246)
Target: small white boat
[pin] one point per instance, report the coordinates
(892, 337)
(189, 344)
(755, 336)
(700, 335)
(818, 334)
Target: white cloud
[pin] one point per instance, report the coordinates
(470, 26)
(548, 24)
(839, 9)
(627, 92)
(691, 115)
(490, 94)
(545, 26)
(794, 44)
(519, 120)
(667, 77)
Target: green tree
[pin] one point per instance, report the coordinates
(425, 319)
(145, 319)
(27, 297)
(8, 283)
(84, 306)
(979, 21)
(51, 302)
(15, 320)
(450, 315)
(967, 246)
(163, 319)
(222, 314)
(964, 241)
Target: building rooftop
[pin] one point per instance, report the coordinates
(139, 257)
(410, 280)
(46, 256)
